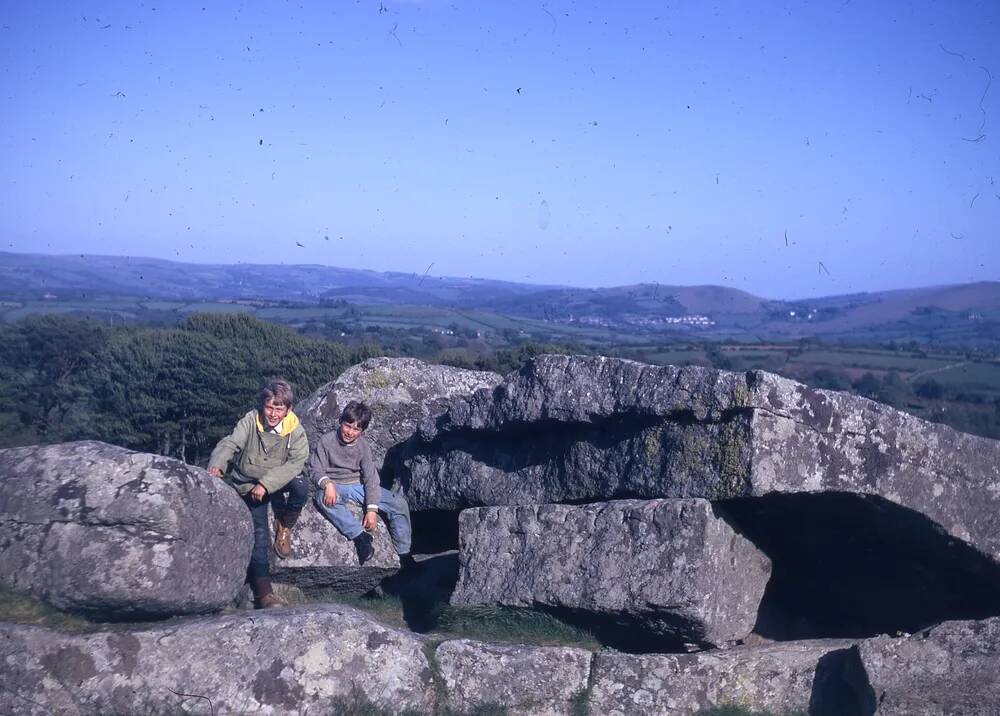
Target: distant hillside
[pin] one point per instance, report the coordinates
(32, 275)
(640, 300)
(965, 315)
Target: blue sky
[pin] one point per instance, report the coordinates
(789, 150)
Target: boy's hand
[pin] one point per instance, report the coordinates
(329, 494)
(370, 522)
(215, 472)
(259, 492)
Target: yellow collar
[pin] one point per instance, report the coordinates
(290, 422)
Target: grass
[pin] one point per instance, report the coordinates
(973, 375)
(23, 609)
(505, 624)
(675, 357)
(730, 710)
(441, 620)
(216, 308)
(889, 360)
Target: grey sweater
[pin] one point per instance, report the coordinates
(345, 464)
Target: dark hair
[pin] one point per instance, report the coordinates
(358, 413)
(279, 391)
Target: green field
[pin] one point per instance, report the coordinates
(982, 376)
(211, 307)
(887, 360)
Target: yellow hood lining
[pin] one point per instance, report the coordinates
(289, 424)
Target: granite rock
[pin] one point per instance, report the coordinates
(304, 659)
(323, 558)
(949, 670)
(114, 534)
(672, 566)
(523, 680)
(401, 393)
(582, 428)
(816, 677)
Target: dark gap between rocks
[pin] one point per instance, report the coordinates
(434, 531)
(852, 566)
(630, 634)
(840, 686)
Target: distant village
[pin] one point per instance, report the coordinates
(693, 321)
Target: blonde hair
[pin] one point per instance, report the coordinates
(278, 390)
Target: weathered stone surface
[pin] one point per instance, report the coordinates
(401, 393)
(950, 670)
(671, 565)
(116, 534)
(818, 677)
(299, 660)
(322, 557)
(575, 428)
(535, 680)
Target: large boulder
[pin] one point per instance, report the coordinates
(949, 670)
(320, 659)
(535, 680)
(115, 534)
(819, 677)
(323, 558)
(401, 393)
(671, 566)
(578, 428)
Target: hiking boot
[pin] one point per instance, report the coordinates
(364, 544)
(283, 533)
(263, 594)
(269, 601)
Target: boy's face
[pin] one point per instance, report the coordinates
(349, 432)
(273, 413)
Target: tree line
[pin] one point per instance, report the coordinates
(172, 391)
(177, 390)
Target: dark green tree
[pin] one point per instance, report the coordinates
(42, 361)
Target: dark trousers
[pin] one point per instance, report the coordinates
(290, 498)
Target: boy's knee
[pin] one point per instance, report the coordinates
(395, 501)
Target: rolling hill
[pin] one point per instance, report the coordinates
(966, 314)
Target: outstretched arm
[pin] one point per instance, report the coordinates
(228, 447)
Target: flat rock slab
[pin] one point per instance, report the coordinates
(582, 428)
(950, 670)
(96, 529)
(323, 558)
(401, 393)
(672, 566)
(812, 677)
(318, 659)
(535, 680)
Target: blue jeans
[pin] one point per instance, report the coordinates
(393, 505)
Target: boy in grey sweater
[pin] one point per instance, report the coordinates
(343, 471)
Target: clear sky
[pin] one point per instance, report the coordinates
(788, 149)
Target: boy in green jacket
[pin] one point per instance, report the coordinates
(264, 457)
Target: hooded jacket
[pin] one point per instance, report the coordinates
(251, 454)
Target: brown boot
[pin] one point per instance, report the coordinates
(264, 596)
(269, 601)
(283, 533)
